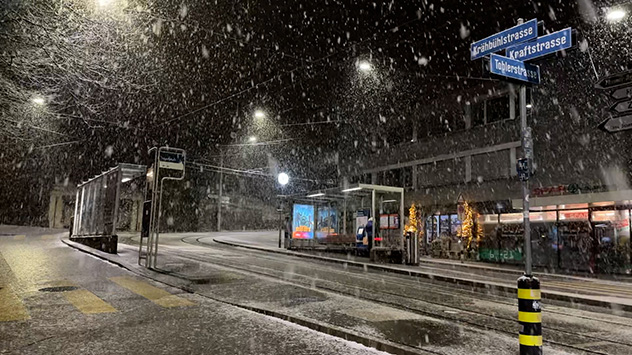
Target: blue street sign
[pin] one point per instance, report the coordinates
(524, 169)
(507, 38)
(514, 69)
(542, 46)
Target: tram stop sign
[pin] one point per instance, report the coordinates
(171, 160)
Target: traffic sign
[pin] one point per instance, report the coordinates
(622, 93)
(171, 160)
(542, 46)
(514, 69)
(617, 124)
(523, 168)
(615, 81)
(622, 107)
(507, 38)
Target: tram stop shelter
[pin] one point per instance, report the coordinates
(335, 219)
(98, 206)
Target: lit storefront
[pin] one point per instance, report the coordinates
(591, 235)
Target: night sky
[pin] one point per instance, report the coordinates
(120, 77)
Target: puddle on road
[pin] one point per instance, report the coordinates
(420, 332)
(58, 289)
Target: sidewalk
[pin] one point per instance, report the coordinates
(567, 288)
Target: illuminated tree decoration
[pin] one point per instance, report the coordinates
(411, 226)
(467, 228)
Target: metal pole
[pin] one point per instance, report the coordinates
(525, 184)
(529, 295)
(221, 189)
(374, 216)
(280, 221)
(152, 219)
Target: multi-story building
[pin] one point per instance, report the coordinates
(467, 145)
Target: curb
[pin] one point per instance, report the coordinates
(381, 345)
(454, 280)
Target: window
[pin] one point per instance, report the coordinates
(407, 176)
(497, 109)
(478, 114)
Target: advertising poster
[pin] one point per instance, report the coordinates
(383, 221)
(393, 221)
(303, 222)
(326, 222)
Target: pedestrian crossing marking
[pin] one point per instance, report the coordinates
(87, 302)
(154, 294)
(11, 306)
(19, 237)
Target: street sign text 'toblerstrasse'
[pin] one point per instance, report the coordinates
(507, 38)
(514, 69)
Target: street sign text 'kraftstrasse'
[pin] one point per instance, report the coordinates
(542, 46)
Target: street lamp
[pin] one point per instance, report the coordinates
(38, 100)
(259, 114)
(615, 15)
(365, 66)
(283, 179)
(104, 2)
(252, 139)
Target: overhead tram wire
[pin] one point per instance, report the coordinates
(241, 172)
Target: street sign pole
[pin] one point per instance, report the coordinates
(521, 43)
(525, 183)
(530, 334)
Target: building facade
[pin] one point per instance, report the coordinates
(581, 197)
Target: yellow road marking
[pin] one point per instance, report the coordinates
(19, 237)
(154, 294)
(87, 302)
(11, 306)
(47, 237)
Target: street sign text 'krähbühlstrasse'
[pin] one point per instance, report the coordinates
(507, 38)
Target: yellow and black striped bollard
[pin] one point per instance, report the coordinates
(529, 316)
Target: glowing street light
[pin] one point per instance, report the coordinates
(38, 100)
(615, 15)
(260, 114)
(252, 139)
(104, 2)
(283, 179)
(365, 66)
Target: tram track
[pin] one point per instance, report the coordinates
(447, 290)
(384, 297)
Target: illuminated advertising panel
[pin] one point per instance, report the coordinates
(303, 222)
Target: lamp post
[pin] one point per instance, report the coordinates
(283, 179)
